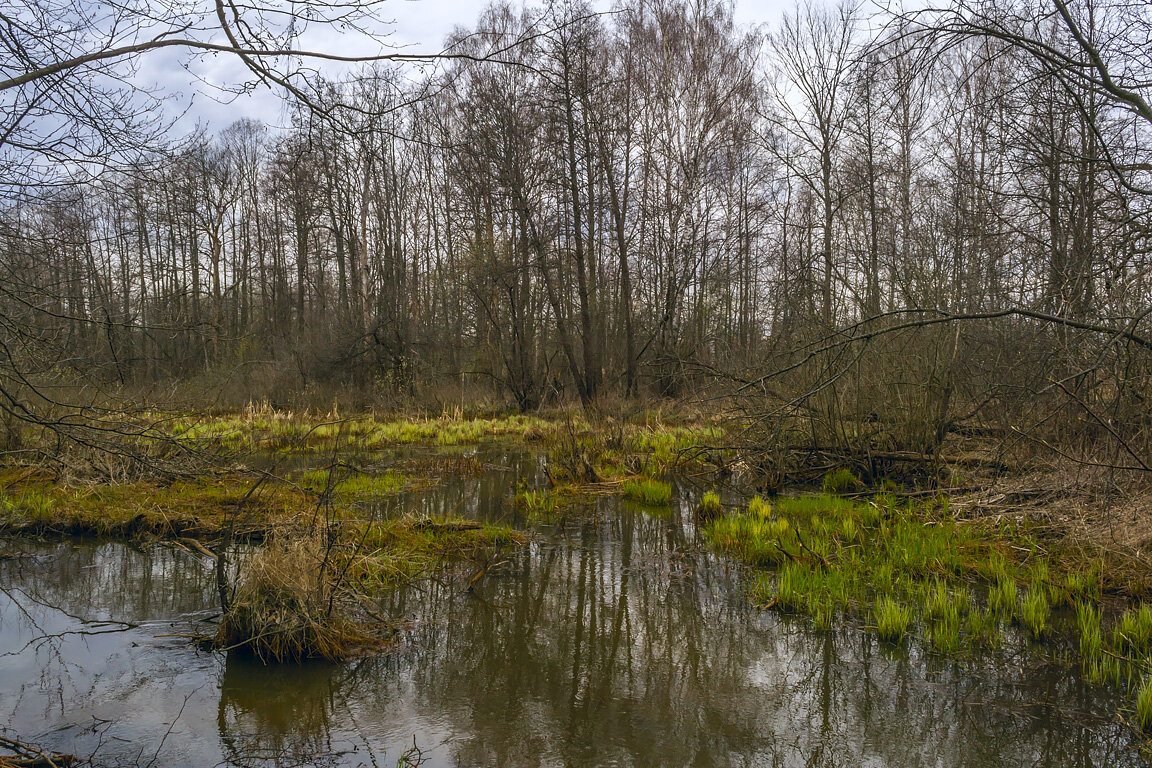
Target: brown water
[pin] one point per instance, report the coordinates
(614, 642)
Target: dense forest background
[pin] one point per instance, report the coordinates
(864, 221)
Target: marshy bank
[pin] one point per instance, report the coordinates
(914, 570)
(532, 616)
(299, 555)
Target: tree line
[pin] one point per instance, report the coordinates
(654, 201)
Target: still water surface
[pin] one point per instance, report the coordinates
(618, 641)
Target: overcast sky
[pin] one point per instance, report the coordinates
(420, 26)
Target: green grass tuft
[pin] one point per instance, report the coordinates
(791, 592)
(841, 481)
(710, 507)
(358, 486)
(539, 506)
(29, 506)
(1091, 639)
(1144, 706)
(1035, 612)
(1003, 597)
(981, 627)
(944, 633)
(892, 620)
(647, 491)
(1132, 635)
(759, 508)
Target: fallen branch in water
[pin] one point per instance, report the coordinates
(451, 525)
(189, 543)
(29, 756)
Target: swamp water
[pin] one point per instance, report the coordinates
(619, 641)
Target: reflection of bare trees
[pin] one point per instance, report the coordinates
(611, 645)
(482, 494)
(109, 581)
(280, 714)
(84, 629)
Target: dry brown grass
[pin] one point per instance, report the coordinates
(1077, 509)
(290, 605)
(307, 593)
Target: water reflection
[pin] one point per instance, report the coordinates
(485, 490)
(112, 582)
(615, 642)
(276, 714)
